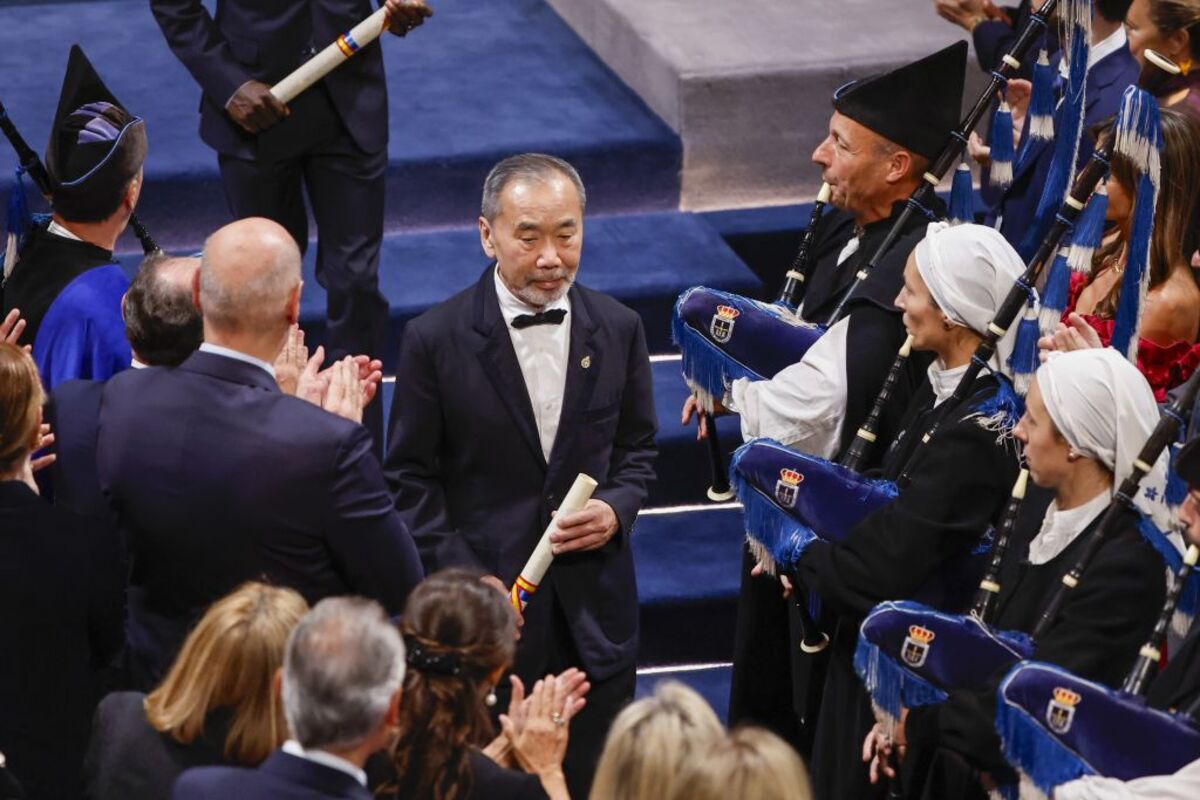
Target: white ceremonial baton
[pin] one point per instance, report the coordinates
(535, 568)
(324, 62)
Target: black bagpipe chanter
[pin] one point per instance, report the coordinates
(770, 337)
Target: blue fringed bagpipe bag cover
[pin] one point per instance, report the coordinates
(725, 336)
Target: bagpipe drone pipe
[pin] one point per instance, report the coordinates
(771, 337)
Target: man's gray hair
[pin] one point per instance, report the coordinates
(344, 661)
(525, 167)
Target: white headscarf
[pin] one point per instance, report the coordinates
(969, 270)
(1104, 408)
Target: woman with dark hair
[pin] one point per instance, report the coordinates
(1170, 323)
(461, 635)
(1170, 27)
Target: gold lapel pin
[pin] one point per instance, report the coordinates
(586, 362)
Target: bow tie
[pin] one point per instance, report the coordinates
(554, 316)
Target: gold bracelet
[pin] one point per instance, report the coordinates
(974, 23)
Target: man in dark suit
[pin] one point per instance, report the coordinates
(507, 391)
(346, 643)
(1112, 69)
(216, 477)
(331, 141)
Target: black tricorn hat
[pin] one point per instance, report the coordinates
(1187, 463)
(95, 145)
(916, 106)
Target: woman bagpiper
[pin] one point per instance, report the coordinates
(1087, 415)
(952, 487)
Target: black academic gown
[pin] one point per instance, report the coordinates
(775, 685)
(1097, 635)
(917, 547)
(48, 264)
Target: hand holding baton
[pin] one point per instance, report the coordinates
(535, 568)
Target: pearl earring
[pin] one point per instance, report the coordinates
(490, 700)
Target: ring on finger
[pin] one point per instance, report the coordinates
(558, 719)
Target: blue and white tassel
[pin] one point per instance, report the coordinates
(962, 196)
(1076, 17)
(18, 224)
(1023, 361)
(1139, 139)
(1089, 230)
(1042, 99)
(1000, 143)
(1055, 293)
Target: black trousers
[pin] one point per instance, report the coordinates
(345, 189)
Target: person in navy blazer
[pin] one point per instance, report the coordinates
(344, 642)
(217, 477)
(330, 141)
(1112, 72)
(484, 444)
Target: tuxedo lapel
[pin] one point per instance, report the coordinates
(583, 367)
(499, 362)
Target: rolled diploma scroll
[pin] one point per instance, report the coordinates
(539, 562)
(331, 57)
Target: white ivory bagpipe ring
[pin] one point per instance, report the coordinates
(1162, 62)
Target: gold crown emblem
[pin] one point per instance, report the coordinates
(790, 476)
(1066, 696)
(922, 635)
(727, 312)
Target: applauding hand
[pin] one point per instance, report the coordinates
(11, 328)
(291, 360)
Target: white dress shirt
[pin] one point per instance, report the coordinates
(236, 355)
(59, 230)
(292, 747)
(804, 405)
(1101, 49)
(542, 352)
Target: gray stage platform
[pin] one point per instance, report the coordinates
(746, 84)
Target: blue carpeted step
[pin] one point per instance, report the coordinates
(710, 680)
(688, 570)
(475, 84)
(644, 260)
(682, 466)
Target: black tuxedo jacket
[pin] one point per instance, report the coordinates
(216, 478)
(266, 40)
(467, 469)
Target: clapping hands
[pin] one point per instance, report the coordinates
(344, 388)
(1077, 335)
(11, 328)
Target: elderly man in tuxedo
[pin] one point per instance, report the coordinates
(506, 392)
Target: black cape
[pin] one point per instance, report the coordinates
(917, 547)
(48, 264)
(1097, 635)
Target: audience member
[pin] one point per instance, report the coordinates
(66, 282)
(1172, 28)
(342, 678)
(60, 604)
(162, 323)
(460, 635)
(217, 705)
(651, 741)
(1170, 322)
(750, 762)
(163, 328)
(216, 477)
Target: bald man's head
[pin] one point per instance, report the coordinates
(249, 274)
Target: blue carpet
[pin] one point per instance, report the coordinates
(688, 572)
(711, 681)
(476, 83)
